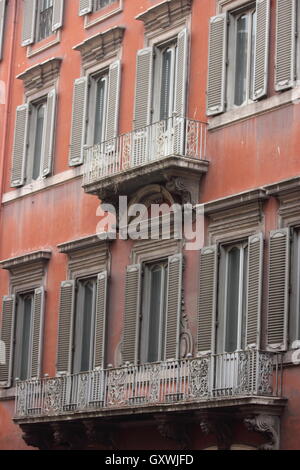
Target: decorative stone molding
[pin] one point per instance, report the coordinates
(186, 337)
(27, 271)
(89, 255)
(100, 46)
(221, 426)
(267, 425)
(41, 75)
(99, 435)
(173, 430)
(169, 12)
(235, 216)
(288, 195)
(148, 250)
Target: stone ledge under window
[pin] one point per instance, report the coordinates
(41, 75)
(288, 194)
(165, 13)
(7, 394)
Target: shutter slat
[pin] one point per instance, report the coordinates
(278, 295)
(101, 309)
(143, 93)
(132, 313)
(65, 327)
(29, 17)
(37, 335)
(217, 65)
(20, 146)
(7, 334)
(79, 109)
(207, 299)
(254, 290)
(180, 90)
(261, 49)
(174, 302)
(113, 99)
(49, 133)
(85, 6)
(285, 54)
(58, 12)
(2, 22)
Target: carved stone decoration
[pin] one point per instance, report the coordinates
(177, 187)
(186, 337)
(269, 426)
(174, 431)
(96, 435)
(221, 426)
(39, 437)
(198, 380)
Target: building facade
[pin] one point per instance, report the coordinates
(149, 342)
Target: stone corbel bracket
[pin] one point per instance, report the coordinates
(267, 425)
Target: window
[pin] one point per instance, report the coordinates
(294, 320)
(97, 108)
(23, 337)
(165, 74)
(44, 19)
(2, 24)
(98, 4)
(152, 338)
(36, 135)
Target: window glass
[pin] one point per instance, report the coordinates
(45, 13)
(100, 110)
(98, 4)
(39, 131)
(164, 73)
(23, 338)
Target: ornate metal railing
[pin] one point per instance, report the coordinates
(244, 373)
(173, 136)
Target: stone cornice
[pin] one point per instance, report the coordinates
(41, 75)
(283, 187)
(237, 200)
(101, 45)
(25, 260)
(288, 194)
(165, 13)
(82, 243)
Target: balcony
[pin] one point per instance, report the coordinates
(175, 147)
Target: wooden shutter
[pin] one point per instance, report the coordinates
(37, 334)
(174, 302)
(217, 64)
(2, 21)
(58, 12)
(132, 313)
(207, 299)
(143, 93)
(180, 91)
(85, 6)
(113, 98)
(48, 138)
(7, 337)
(65, 327)
(285, 55)
(20, 146)
(278, 289)
(78, 121)
(261, 49)
(254, 290)
(100, 330)
(29, 17)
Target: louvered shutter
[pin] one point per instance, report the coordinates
(7, 336)
(48, 138)
(20, 146)
(174, 302)
(143, 93)
(132, 313)
(37, 334)
(217, 65)
(278, 297)
(113, 98)
(100, 330)
(85, 6)
(65, 327)
(261, 49)
(58, 12)
(180, 91)
(285, 56)
(2, 20)
(29, 17)
(254, 290)
(78, 121)
(207, 299)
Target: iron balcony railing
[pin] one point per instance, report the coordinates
(231, 375)
(173, 136)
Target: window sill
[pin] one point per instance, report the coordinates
(101, 15)
(43, 45)
(7, 394)
(255, 109)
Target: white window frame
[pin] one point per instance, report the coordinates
(17, 333)
(38, 23)
(91, 103)
(32, 128)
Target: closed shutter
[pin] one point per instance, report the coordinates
(7, 336)
(143, 93)
(207, 299)
(254, 290)
(78, 121)
(217, 65)
(2, 20)
(100, 330)
(132, 313)
(278, 289)
(261, 49)
(37, 335)
(20, 146)
(174, 302)
(113, 99)
(285, 56)
(29, 16)
(85, 6)
(58, 12)
(65, 327)
(49, 133)
(180, 91)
